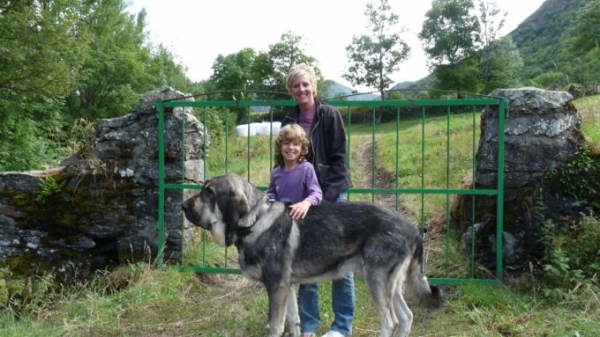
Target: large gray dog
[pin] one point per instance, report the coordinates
(335, 238)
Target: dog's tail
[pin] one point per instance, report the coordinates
(429, 295)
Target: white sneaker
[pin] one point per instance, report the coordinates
(333, 333)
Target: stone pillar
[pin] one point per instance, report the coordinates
(542, 132)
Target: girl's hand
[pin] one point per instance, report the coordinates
(299, 209)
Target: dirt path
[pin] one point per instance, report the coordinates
(363, 165)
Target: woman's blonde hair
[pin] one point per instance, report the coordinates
(290, 133)
(299, 70)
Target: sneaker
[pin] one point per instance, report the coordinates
(333, 333)
(308, 334)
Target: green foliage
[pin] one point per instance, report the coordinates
(31, 135)
(23, 295)
(464, 77)
(285, 54)
(374, 57)
(38, 54)
(261, 75)
(552, 80)
(580, 177)
(115, 66)
(48, 188)
(501, 65)
(544, 41)
(233, 71)
(215, 121)
(586, 30)
(450, 35)
(571, 261)
(64, 60)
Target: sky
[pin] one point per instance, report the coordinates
(198, 31)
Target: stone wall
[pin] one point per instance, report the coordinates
(100, 207)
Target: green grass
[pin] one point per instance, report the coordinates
(589, 107)
(143, 300)
(168, 302)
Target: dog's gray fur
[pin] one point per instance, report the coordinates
(378, 244)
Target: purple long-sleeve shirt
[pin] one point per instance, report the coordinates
(295, 185)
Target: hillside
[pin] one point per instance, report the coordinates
(542, 43)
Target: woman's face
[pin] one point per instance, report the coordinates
(303, 90)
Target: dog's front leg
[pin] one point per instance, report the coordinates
(277, 309)
(292, 317)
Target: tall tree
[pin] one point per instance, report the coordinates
(37, 53)
(165, 70)
(374, 57)
(233, 72)
(491, 21)
(282, 56)
(503, 65)
(450, 35)
(38, 60)
(115, 69)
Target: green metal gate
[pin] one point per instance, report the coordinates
(409, 127)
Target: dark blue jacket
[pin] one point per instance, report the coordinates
(328, 150)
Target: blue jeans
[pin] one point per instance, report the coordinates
(342, 302)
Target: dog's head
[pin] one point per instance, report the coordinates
(221, 203)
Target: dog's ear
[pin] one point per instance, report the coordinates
(209, 196)
(240, 201)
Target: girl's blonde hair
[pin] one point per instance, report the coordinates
(299, 70)
(290, 133)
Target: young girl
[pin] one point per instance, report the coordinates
(293, 179)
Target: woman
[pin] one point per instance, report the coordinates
(324, 128)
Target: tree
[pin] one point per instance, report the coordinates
(503, 65)
(38, 60)
(164, 70)
(233, 72)
(490, 28)
(374, 57)
(281, 57)
(450, 35)
(117, 64)
(37, 53)
(61, 60)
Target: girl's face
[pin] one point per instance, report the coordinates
(290, 150)
(303, 90)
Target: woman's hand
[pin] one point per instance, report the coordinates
(299, 209)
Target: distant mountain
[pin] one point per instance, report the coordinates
(403, 85)
(336, 90)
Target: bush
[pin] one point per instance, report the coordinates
(572, 258)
